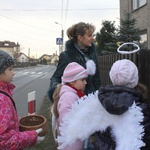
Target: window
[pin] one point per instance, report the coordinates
(143, 41)
(6, 44)
(138, 3)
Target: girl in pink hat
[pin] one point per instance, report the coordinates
(66, 94)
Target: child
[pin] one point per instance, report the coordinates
(10, 136)
(71, 89)
(116, 114)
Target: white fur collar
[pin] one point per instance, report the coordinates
(88, 116)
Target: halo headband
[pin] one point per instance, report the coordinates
(128, 52)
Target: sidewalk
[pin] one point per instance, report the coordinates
(48, 143)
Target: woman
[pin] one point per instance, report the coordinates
(79, 48)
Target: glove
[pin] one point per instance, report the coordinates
(39, 130)
(39, 139)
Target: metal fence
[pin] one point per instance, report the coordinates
(141, 59)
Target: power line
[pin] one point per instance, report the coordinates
(88, 9)
(25, 23)
(66, 13)
(62, 11)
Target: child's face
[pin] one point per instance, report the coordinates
(8, 74)
(80, 84)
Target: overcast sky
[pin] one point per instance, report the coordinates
(31, 23)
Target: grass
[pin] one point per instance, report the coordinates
(48, 143)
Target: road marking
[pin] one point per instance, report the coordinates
(31, 74)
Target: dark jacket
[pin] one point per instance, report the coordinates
(72, 54)
(116, 100)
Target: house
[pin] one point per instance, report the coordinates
(54, 59)
(140, 10)
(45, 59)
(48, 59)
(10, 47)
(22, 58)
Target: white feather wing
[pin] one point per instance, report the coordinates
(88, 116)
(79, 123)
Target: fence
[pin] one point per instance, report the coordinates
(141, 59)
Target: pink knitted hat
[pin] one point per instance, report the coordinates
(75, 71)
(124, 73)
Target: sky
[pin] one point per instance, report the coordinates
(31, 23)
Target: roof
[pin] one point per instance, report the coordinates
(45, 55)
(22, 54)
(8, 44)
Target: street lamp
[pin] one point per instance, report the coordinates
(62, 32)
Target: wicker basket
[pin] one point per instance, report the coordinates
(34, 122)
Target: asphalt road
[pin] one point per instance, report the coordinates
(30, 79)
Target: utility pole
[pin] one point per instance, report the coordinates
(62, 34)
(29, 55)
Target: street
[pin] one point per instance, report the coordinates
(28, 79)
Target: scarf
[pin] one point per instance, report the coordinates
(79, 92)
(83, 51)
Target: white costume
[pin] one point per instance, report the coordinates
(88, 116)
